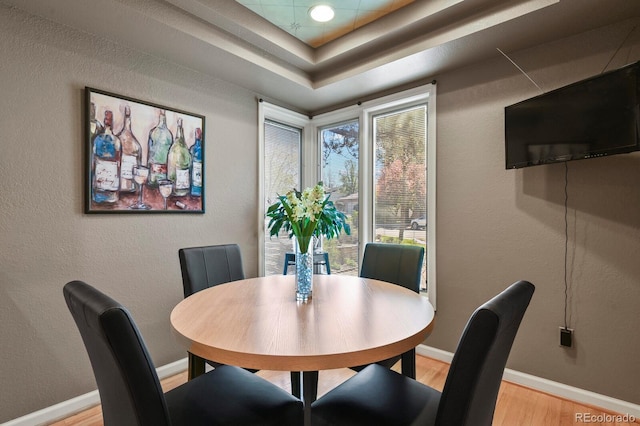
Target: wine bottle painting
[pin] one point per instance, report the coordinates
(142, 157)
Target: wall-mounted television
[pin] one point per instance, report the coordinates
(592, 118)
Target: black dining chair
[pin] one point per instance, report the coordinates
(208, 266)
(204, 267)
(399, 264)
(380, 396)
(130, 392)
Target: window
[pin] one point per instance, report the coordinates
(400, 178)
(281, 151)
(378, 160)
(339, 171)
(282, 145)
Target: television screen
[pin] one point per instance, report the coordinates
(591, 118)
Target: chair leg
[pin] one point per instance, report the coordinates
(196, 366)
(408, 361)
(295, 384)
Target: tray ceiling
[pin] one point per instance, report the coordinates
(293, 16)
(410, 46)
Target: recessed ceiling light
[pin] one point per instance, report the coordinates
(321, 13)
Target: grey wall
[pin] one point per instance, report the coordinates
(46, 240)
(494, 226)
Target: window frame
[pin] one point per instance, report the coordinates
(364, 112)
(270, 112)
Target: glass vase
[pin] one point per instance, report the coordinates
(304, 274)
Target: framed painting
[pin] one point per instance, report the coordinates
(142, 157)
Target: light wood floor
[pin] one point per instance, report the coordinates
(516, 405)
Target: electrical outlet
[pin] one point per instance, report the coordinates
(566, 337)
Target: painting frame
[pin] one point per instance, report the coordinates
(127, 141)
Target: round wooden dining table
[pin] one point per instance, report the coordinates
(257, 323)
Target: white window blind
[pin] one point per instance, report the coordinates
(281, 174)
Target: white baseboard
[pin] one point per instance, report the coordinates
(88, 400)
(83, 402)
(554, 388)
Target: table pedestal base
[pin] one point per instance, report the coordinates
(307, 382)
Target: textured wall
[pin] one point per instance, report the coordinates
(496, 226)
(46, 240)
